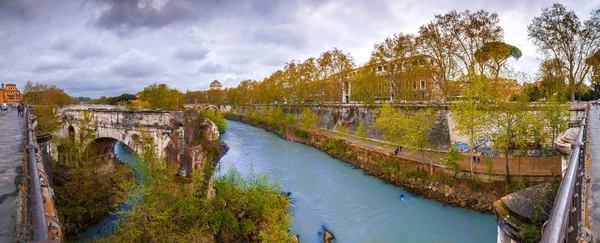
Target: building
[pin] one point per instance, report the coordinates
(413, 82)
(9, 94)
(216, 85)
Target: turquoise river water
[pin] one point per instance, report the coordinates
(329, 193)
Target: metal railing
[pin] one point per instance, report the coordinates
(37, 214)
(566, 220)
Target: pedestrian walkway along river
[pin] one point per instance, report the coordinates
(11, 172)
(329, 193)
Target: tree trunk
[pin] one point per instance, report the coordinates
(532, 169)
(507, 171)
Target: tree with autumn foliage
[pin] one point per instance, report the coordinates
(161, 96)
(559, 34)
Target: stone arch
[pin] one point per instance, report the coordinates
(211, 107)
(71, 132)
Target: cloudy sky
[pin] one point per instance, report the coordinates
(108, 47)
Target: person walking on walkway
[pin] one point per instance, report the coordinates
(19, 110)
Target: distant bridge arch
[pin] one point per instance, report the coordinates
(204, 107)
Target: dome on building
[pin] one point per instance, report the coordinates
(216, 85)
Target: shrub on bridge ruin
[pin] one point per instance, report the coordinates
(216, 117)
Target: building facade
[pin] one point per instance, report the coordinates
(10, 95)
(389, 83)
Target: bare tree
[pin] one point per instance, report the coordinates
(559, 34)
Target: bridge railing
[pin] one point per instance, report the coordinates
(37, 215)
(40, 205)
(566, 220)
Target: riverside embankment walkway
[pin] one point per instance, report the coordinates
(594, 172)
(11, 172)
(542, 167)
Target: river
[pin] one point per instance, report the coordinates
(355, 207)
(109, 223)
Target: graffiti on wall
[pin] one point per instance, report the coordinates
(482, 140)
(489, 152)
(462, 147)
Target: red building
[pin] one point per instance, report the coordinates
(9, 94)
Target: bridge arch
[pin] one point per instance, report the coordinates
(210, 107)
(126, 126)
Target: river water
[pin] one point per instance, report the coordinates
(109, 223)
(329, 193)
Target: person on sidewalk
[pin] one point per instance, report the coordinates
(398, 150)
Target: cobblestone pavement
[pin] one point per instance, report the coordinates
(594, 172)
(11, 171)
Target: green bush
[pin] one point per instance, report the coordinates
(337, 147)
(276, 117)
(291, 119)
(531, 233)
(362, 131)
(452, 157)
(216, 117)
(302, 134)
(309, 119)
(415, 173)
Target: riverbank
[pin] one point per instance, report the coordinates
(424, 179)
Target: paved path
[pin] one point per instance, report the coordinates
(11, 170)
(529, 166)
(594, 172)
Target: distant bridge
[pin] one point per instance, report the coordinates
(205, 107)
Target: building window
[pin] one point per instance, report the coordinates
(415, 85)
(423, 85)
(381, 68)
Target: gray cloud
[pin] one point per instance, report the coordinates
(192, 53)
(135, 64)
(108, 47)
(50, 64)
(79, 49)
(210, 68)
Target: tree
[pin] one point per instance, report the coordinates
(469, 114)
(552, 78)
(45, 100)
(452, 157)
(538, 130)
(508, 118)
(367, 86)
(492, 56)
(410, 129)
(160, 96)
(335, 65)
(559, 34)
(469, 32)
(309, 119)
(392, 57)
(438, 44)
(362, 131)
(594, 62)
(556, 115)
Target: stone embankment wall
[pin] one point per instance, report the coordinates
(434, 182)
(351, 116)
